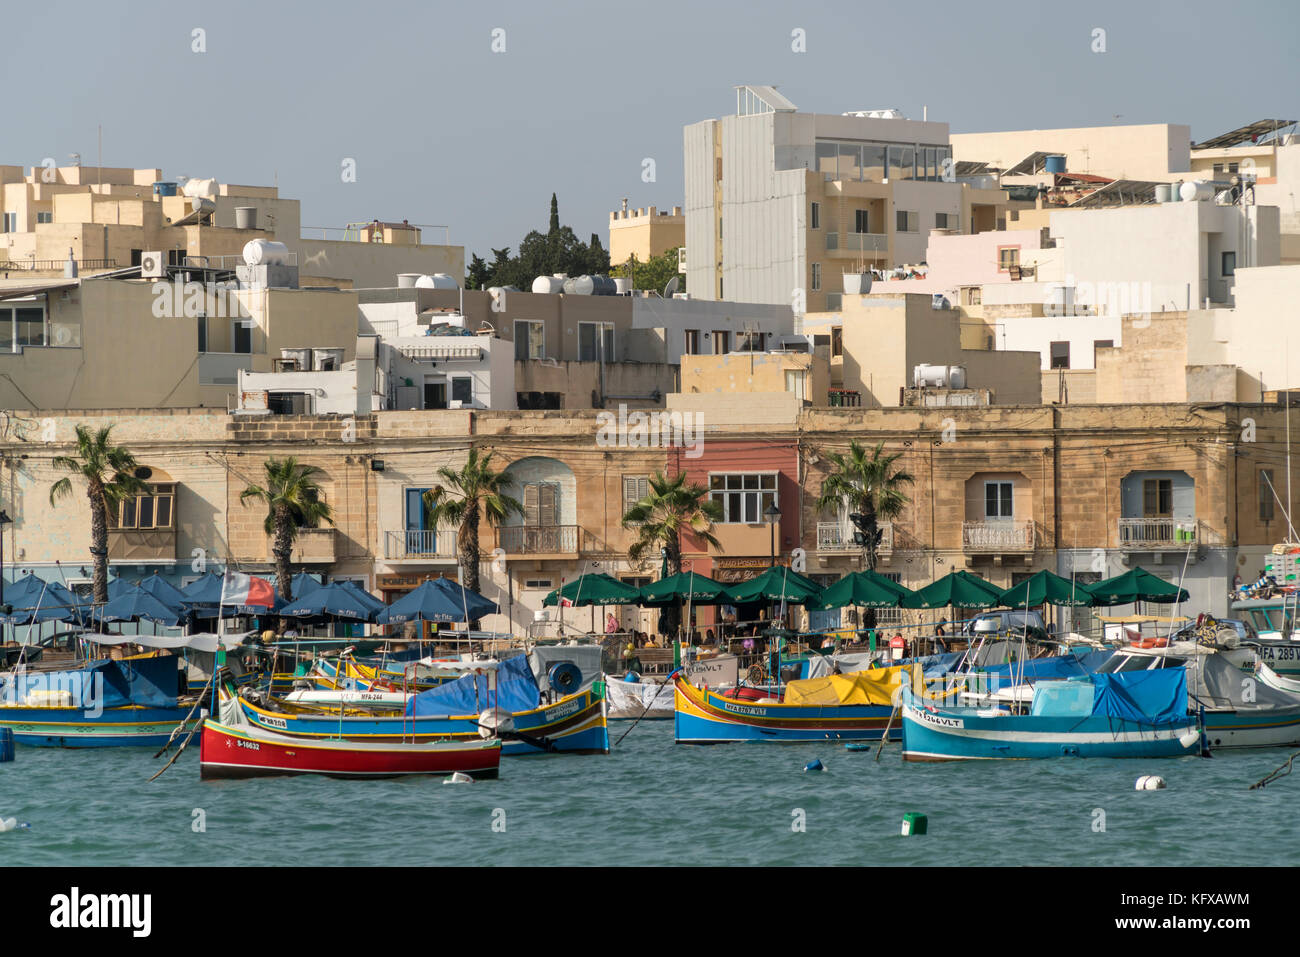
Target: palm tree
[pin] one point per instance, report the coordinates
(109, 471)
(471, 493)
(671, 507)
(870, 487)
(293, 501)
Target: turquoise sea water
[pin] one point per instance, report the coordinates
(653, 802)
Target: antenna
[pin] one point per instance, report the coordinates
(672, 287)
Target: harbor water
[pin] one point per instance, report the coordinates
(651, 802)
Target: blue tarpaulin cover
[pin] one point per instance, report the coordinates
(516, 690)
(1057, 666)
(1151, 697)
(149, 682)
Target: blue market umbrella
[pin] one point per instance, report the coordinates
(467, 600)
(137, 605)
(370, 601)
(35, 601)
(203, 598)
(427, 602)
(164, 591)
(332, 600)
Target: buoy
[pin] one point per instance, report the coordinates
(6, 745)
(459, 777)
(11, 824)
(1150, 782)
(914, 823)
(814, 765)
(857, 746)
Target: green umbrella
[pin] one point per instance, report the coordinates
(684, 586)
(1137, 584)
(865, 589)
(777, 583)
(595, 589)
(1046, 588)
(958, 588)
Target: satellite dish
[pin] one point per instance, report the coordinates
(671, 287)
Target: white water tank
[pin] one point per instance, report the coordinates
(1196, 191)
(622, 285)
(406, 280)
(200, 187)
(928, 376)
(265, 252)
(548, 285)
(581, 286)
(439, 280)
(1162, 192)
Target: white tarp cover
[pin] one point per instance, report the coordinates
(823, 665)
(205, 641)
(630, 698)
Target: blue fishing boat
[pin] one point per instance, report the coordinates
(502, 697)
(103, 703)
(853, 707)
(1124, 715)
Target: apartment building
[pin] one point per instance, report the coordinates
(780, 205)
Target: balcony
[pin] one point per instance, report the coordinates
(420, 545)
(987, 538)
(539, 540)
(142, 545)
(1159, 533)
(853, 243)
(837, 538)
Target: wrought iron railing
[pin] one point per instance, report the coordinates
(420, 543)
(538, 539)
(838, 537)
(997, 536)
(1174, 532)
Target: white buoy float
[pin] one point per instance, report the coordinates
(1150, 782)
(11, 824)
(459, 777)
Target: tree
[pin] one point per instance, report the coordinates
(870, 487)
(655, 274)
(555, 217)
(558, 250)
(293, 501)
(109, 471)
(597, 257)
(672, 506)
(479, 273)
(472, 493)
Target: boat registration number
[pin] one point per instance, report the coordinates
(742, 709)
(280, 723)
(939, 721)
(250, 745)
(565, 709)
(1277, 654)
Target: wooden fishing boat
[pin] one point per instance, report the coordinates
(1107, 716)
(854, 707)
(245, 751)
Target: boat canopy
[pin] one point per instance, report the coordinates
(875, 686)
(203, 641)
(147, 682)
(1147, 697)
(515, 690)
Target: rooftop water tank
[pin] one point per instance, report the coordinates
(1162, 192)
(927, 376)
(622, 286)
(439, 280)
(603, 286)
(581, 286)
(265, 252)
(164, 189)
(406, 280)
(1196, 191)
(245, 217)
(200, 187)
(1054, 164)
(548, 285)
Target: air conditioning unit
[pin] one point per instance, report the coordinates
(153, 265)
(454, 403)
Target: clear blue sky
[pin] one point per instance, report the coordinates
(443, 130)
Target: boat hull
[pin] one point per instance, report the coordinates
(112, 728)
(1279, 727)
(705, 717)
(576, 724)
(226, 752)
(945, 735)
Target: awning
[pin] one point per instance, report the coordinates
(20, 289)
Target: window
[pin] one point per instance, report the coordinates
(837, 340)
(692, 342)
(998, 500)
(862, 220)
(529, 340)
(1008, 256)
(743, 497)
(44, 217)
(721, 342)
(595, 342)
(816, 277)
(902, 162)
(749, 342)
(1060, 355)
(11, 222)
(1233, 167)
(22, 326)
(946, 220)
(1157, 498)
(203, 333)
(815, 218)
(538, 584)
(541, 506)
(635, 488)
(462, 389)
(150, 510)
(1098, 345)
(906, 221)
(1229, 266)
(795, 380)
(1218, 169)
(241, 337)
(1266, 495)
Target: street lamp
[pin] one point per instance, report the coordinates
(773, 515)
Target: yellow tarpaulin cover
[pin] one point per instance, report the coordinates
(876, 686)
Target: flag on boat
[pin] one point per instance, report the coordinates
(237, 589)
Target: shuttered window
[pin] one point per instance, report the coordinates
(541, 504)
(635, 488)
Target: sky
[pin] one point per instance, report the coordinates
(469, 115)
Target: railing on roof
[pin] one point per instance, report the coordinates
(53, 265)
